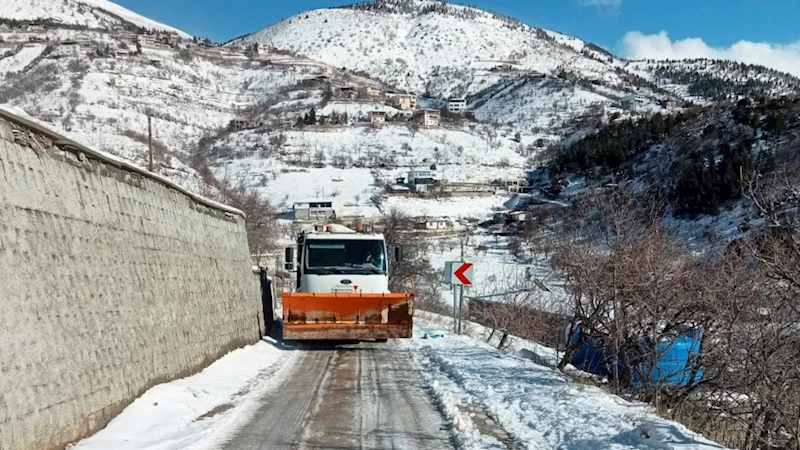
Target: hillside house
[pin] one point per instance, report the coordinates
(35, 28)
(457, 105)
(4, 28)
(242, 124)
(377, 116)
(670, 103)
(149, 41)
(372, 91)
(403, 115)
(349, 92)
(403, 102)
(421, 180)
(315, 210)
(430, 118)
(511, 216)
(168, 38)
(628, 102)
(257, 50)
(145, 40)
(83, 39)
(632, 102)
(121, 53)
(514, 185)
(67, 49)
(432, 224)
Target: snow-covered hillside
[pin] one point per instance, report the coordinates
(351, 165)
(708, 80)
(104, 102)
(426, 46)
(101, 14)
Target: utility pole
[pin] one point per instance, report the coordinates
(150, 142)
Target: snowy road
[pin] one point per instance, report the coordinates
(359, 396)
(435, 391)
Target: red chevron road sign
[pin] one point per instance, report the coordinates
(460, 273)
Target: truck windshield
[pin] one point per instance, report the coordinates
(345, 256)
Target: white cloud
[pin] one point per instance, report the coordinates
(606, 4)
(785, 58)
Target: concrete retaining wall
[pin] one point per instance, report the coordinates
(111, 281)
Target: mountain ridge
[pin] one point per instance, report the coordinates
(101, 14)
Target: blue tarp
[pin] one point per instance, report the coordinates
(676, 365)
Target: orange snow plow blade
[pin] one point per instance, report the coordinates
(315, 316)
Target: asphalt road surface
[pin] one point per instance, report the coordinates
(347, 396)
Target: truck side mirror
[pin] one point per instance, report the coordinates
(289, 257)
(398, 253)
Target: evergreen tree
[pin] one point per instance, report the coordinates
(312, 116)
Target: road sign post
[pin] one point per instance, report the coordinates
(458, 274)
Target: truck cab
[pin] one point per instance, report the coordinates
(340, 260)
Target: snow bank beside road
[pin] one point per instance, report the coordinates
(199, 411)
(537, 406)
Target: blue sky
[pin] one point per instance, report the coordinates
(717, 22)
(632, 28)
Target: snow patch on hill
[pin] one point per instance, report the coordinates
(21, 59)
(88, 13)
(441, 54)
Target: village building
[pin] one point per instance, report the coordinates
(243, 124)
(435, 224)
(373, 91)
(145, 40)
(628, 102)
(257, 50)
(403, 102)
(314, 210)
(149, 41)
(67, 49)
(430, 117)
(83, 38)
(401, 114)
(517, 216)
(421, 180)
(514, 185)
(632, 102)
(511, 216)
(377, 116)
(4, 28)
(457, 105)
(350, 92)
(168, 38)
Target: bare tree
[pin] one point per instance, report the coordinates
(261, 216)
(414, 269)
(413, 128)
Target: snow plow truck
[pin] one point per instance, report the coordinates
(342, 288)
